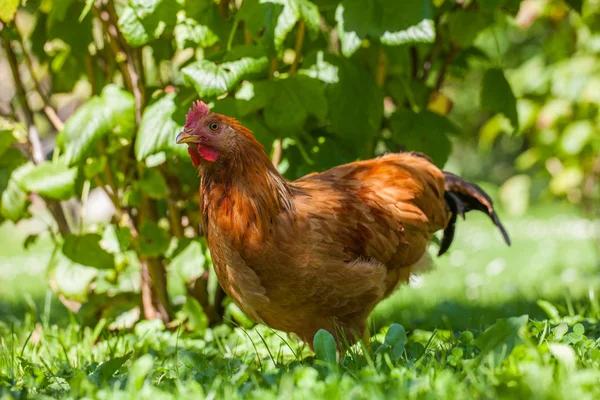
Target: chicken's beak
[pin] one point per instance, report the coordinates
(185, 137)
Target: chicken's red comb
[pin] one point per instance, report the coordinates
(198, 111)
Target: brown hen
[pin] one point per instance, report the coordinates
(322, 251)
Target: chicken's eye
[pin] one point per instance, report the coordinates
(213, 126)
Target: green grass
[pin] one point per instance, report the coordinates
(454, 347)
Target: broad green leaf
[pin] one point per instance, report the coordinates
(325, 348)
(293, 100)
(293, 11)
(355, 103)
(94, 166)
(153, 184)
(86, 250)
(189, 263)
(141, 21)
(52, 180)
(111, 112)
(189, 33)
(161, 122)
(464, 26)
(260, 18)
(211, 80)
(154, 240)
(8, 9)
(197, 319)
(107, 369)
(72, 279)
(426, 132)
(576, 5)
(497, 96)
(389, 21)
(499, 340)
(13, 202)
(396, 339)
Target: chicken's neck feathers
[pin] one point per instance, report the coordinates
(245, 195)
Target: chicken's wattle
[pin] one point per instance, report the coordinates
(203, 151)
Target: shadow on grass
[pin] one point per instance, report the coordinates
(461, 315)
(45, 308)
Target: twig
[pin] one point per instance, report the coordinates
(298, 48)
(381, 67)
(89, 70)
(48, 110)
(414, 58)
(35, 146)
(447, 60)
(277, 152)
(124, 56)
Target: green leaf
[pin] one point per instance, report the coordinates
(260, 18)
(498, 97)
(355, 102)
(72, 279)
(161, 123)
(293, 11)
(52, 180)
(501, 338)
(325, 348)
(94, 166)
(13, 202)
(189, 33)
(153, 184)
(426, 132)
(211, 80)
(464, 26)
(111, 112)
(107, 369)
(389, 21)
(197, 319)
(189, 263)
(86, 250)
(293, 99)
(154, 240)
(396, 339)
(576, 5)
(141, 21)
(8, 9)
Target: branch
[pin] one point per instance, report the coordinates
(35, 146)
(125, 56)
(447, 60)
(50, 112)
(277, 152)
(298, 48)
(381, 67)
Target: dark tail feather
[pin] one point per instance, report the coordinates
(462, 197)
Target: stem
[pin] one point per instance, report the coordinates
(89, 70)
(125, 56)
(277, 152)
(224, 9)
(49, 111)
(447, 60)
(381, 68)
(298, 48)
(273, 64)
(35, 145)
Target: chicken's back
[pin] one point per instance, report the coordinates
(385, 209)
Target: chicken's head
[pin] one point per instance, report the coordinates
(209, 136)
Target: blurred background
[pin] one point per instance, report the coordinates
(104, 206)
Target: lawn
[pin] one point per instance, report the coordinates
(488, 322)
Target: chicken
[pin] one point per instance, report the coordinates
(322, 251)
